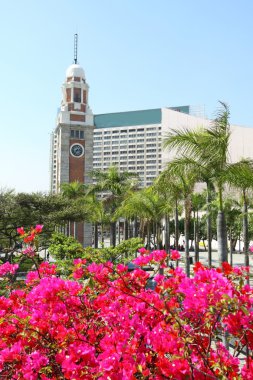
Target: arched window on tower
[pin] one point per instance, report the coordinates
(77, 95)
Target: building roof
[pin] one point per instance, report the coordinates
(133, 118)
(75, 70)
(130, 118)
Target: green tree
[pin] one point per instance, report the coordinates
(172, 190)
(113, 185)
(186, 180)
(206, 149)
(240, 176)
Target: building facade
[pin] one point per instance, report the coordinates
(131, 140)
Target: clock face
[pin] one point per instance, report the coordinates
(77, 150)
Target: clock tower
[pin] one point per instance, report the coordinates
(72, 141)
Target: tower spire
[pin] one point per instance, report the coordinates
(75, 48)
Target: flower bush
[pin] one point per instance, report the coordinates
(103, 323)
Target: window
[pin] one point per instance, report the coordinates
(81, 134)
(151, 161)
(72, 133)
(77, 95)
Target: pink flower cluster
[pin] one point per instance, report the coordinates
(174, 254)
(104, 323)
(8, 268)
(146, 257)
(29, 237)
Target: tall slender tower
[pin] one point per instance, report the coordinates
(72, 139)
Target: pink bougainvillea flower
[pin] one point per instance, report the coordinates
(39, 228)
(174, 254)
(227, 269)
(7, 268)
(29, 251)
(251, 248)
(30, 238)
(79, 261)
(21, 231)
(143, 251)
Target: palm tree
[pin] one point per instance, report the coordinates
(240, 176)
(206, 149)
(98, 216)
(186, 180)
(73, 191)
(173, 193)
(146, 205)
(198, 201)
(113, 184)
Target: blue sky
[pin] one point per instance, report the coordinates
(137, 54)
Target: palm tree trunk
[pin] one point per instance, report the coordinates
(186, 235)
(222, 237)
(209, 226)
(245, 230)
(176, 226)
(135, 228)
(167, 233)
(126, 229)
(148, 235)
(96, 235)
(196, 236)
(231, 246)
(118, 225)
(102, 235)
(113, 234)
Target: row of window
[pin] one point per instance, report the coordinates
(119, 137)
(123, 131)
(76, 134)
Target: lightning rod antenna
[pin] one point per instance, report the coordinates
(75, 48)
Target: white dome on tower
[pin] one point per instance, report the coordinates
(75, 70)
